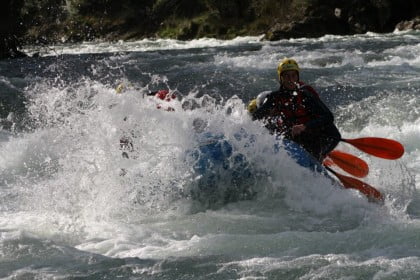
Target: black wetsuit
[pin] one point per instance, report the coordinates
(282, 109)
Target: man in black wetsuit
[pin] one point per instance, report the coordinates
(296, 112)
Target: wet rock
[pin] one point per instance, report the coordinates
(348, 17)
(319, 21)
(413, 24)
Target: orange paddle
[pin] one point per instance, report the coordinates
(352, 183)
(380, 147)
(349, 163)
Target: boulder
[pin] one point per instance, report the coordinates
(413, 24)
(323, 20)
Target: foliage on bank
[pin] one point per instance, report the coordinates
(48, 21)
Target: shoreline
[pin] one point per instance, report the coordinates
(43, 23)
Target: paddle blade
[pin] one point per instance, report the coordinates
(352, 183)
(328, 162)
(349, 163)
(380, 147)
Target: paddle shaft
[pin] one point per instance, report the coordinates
(352, 183)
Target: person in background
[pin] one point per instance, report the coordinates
(221, 174)
(296, 112)
(126, 143)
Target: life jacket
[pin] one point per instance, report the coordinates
(289, 108)
(282, 109)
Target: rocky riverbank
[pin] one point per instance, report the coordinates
(51, 21)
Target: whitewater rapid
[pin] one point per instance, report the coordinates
(71, 206)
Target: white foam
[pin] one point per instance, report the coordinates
(61, 179)
(139, 46)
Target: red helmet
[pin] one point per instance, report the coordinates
(163, 94)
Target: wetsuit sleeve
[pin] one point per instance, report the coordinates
(319, 109)
(263, 110)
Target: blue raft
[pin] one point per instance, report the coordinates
(223, 175)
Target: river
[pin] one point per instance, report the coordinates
(71, 207)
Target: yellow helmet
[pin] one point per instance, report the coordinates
(252, 106)
(257, 102)
(286, 65)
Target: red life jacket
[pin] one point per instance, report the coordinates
(290, 109)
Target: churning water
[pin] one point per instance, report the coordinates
(72, 207)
